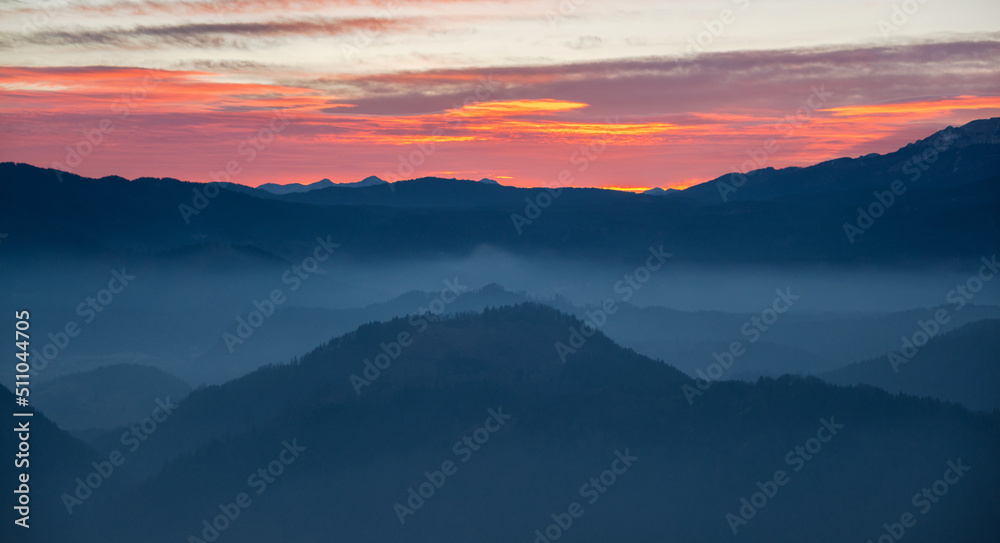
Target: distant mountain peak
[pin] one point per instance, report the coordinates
(488, 181)
(657, 191)
(275, 188)
(980, 131)
(366, 182)
(295, 188)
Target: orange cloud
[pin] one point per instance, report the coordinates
(516, 107)
(925, 108)
(204, 117)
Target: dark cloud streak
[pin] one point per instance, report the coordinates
(775, 80)
(217, 35)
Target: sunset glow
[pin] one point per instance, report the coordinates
(175, 88)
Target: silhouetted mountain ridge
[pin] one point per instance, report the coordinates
(513, 346)
(948, 158)
(107, 397)
(362, 452)
(157, 215)
(958, 366)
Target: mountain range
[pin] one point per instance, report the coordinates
(296, 188)
(452, 360)
(562, 423)
(809, 225)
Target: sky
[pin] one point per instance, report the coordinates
(626, 94)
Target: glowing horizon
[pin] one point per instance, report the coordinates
(614, 98)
